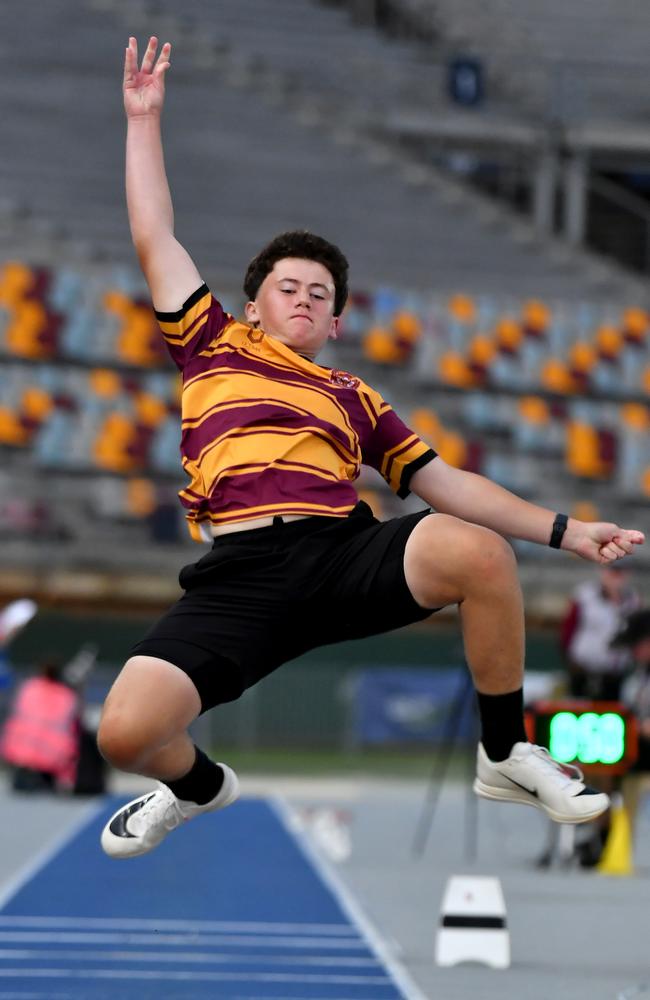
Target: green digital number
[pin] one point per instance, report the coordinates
(612, 738)
(563, 737)
(589, 738)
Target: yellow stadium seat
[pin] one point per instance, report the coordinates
(462, 308)
(111, 447)
(115, 301)
(535, 316)
(534, 410)
(582, 357)
(407, 326)
(140, 497)
(425, 423)
(556, 377)
(452, 448)
(454, 370)
(482, 350)
(149, 410)
(24, 335)
(635, 323)
(12, 430)
(509, 334)
(36, 403)
(585, 510)
(636, 416)
(16, 280)
(105, 382)
(134, 340)
(609, 341)
(379, 346)
(583, 451)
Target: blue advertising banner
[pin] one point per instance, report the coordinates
(405, 705)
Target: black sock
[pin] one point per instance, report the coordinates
(502, 722)
(201, 783)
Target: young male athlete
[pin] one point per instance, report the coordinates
(272, 443)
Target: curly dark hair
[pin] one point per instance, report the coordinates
(306, 246)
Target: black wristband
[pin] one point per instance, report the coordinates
(559, 527)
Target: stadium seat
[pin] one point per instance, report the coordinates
(52, 440)
(379, 346)
(535, 318)
(583, 457)
(634, 325)
(634, 448)
(113, 447)
(16, 282)
(556, 377)
(453, 369)
(140, 497)
(462, 308)
(165, 446)
(28, 333)
(13, 430)
(426, 424)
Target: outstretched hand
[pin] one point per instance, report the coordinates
(144, 88)
(600, 542)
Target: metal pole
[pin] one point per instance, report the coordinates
(575, 198)
(544, 187)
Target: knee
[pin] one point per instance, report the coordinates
(150, 703)
(447, 559)
(118, 742)
(469, 551)
(491, 557)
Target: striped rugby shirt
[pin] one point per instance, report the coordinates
(266, 431)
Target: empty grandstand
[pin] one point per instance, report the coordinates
(516, 353)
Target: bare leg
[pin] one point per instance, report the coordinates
(448, 561)
(144, 722)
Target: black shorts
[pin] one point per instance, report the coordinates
(261, 597)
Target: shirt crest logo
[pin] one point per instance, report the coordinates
(344, 379)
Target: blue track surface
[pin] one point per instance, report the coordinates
(228, 908)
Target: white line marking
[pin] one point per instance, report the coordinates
(43, 857)
(401, 977)
(152, 924)
(58, 996)
(221, 977)
(179, 958)
(180, 940)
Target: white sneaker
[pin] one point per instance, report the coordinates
(140, 825)
(531, 776)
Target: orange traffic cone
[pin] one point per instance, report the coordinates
(616, 858)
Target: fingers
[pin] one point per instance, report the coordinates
(614, 551)
(131, 60)
(163, 63)
(636, 537)
(149, 62)
(622, 544)
(149, 55)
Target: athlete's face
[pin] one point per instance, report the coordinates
(295, 304)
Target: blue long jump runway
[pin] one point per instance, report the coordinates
(232, 906)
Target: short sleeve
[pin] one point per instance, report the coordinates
(197, 323)
(393, 449)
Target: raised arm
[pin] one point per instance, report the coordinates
(481, 501)
(169, 270)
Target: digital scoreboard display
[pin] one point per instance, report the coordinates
(597, 736)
